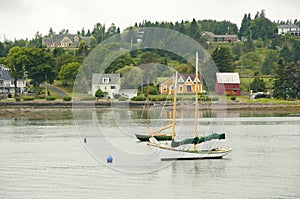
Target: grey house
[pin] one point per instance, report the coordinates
(64, 40)
(7, 82)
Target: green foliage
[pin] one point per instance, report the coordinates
(67, 98)
(258, 84)
(223, 59)
(50, 98)
(99, 94)
(28, 98)
(16, 62)
(286, 84)
(117, 96)
(139, 98)
(270, 63)
(18, 99)
(68, 73)
(122, 98)
(233, 98)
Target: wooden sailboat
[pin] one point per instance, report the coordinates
(187, 148)
(157, 133)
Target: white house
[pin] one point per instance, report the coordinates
(108, 83)
(291, 29)
(7, 82)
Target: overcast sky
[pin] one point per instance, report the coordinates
(23, 18)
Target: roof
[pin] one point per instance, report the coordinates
(228, 78)
(57, 38)
(97, 78)
(212, 35)
(184, 77)
(4, 73)
(288, 26)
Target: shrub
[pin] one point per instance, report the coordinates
(28, 98)
(88, 98)
(117, 96)
(233, 98)
(139, 98)
(67, 98)
(50, 98)
(214, 99)
(122, 98)
(18, 99)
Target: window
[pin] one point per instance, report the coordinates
(188, 88)
(180, 88)
(113, 87)
(105, 80)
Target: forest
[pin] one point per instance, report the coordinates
(269, 60)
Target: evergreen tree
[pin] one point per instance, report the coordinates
(258, 84)
(223, 59)
(286, 54)
(270, 63)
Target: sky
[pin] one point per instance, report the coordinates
(21, 19)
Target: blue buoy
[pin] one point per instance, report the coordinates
(109, 159)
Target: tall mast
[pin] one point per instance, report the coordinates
(196, 106)
(147, 112)
(174, 106)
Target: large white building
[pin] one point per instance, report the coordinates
(291, 29)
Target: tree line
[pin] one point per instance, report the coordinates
(260, 51)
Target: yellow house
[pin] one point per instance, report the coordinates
(186, 83)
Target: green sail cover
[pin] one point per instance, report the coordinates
(198, 140)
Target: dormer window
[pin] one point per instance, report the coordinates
(105, 80)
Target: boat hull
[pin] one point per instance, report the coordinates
(168, 153)
(159, 137)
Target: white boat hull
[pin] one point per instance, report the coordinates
(168, 153)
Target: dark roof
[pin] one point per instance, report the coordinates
(288, 26)
(4, 73)
(57, 38)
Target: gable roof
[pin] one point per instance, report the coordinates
(4, 73)
(228, 78)
(97, 78)
(183, 77)
(288, 26)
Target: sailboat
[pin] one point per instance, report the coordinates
(156, 133)
(187, 149)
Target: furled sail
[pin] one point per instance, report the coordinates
(198, 140)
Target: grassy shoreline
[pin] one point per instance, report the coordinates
(228, 105)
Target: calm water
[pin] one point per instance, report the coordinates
(43, 156)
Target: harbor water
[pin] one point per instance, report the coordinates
(43, 155)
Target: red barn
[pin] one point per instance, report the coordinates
(227, 83)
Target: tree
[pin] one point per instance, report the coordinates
(223, 59)
(258, 84)
(16, 60)
(286, 54)
(244, 26)
(270, 63)
(287, 80)
(194, 30)
(39, 65)
(99, 94)
(68, 73)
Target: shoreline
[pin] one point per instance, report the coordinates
(137, 104)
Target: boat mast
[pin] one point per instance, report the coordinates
(196, 106)
(174, 106)
(147, 112)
